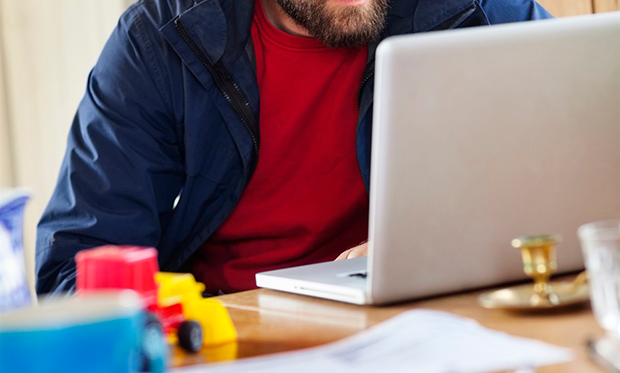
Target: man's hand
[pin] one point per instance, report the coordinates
(355, 252)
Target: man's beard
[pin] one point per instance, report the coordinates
(336, 25)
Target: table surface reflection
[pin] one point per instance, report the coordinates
(269, 322)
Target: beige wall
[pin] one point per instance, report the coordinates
(47, 49)
(6, 166)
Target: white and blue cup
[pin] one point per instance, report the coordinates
(14, 291)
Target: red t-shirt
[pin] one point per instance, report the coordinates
(306, 202)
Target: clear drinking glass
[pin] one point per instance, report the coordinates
(600, 242)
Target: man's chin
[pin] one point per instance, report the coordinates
(339, 23)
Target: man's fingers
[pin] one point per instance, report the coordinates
(344, 255)
(359, 251)
(356, 252)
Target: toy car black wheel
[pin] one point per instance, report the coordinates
(190, 336)
(153, 345)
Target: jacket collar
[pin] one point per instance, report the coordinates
(221, 28)
(431, 14)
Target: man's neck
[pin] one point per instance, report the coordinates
(280, 20)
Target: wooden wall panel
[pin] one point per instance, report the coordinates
(606, 5)
(564, 8)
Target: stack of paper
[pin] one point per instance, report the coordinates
(414, 341)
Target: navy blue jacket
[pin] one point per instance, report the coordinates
(166, 137)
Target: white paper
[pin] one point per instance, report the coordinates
(414, 341)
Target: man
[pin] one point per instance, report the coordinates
(168, 148)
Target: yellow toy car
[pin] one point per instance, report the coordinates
(211, 314)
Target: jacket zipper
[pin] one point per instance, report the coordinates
(229, 89)
(367, 77)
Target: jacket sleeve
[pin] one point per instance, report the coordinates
(504, 11)
(122, 168)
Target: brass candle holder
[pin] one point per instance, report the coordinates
(539, 263)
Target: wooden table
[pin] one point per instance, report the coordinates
(269, 322)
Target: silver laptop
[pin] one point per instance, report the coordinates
(481, 135)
